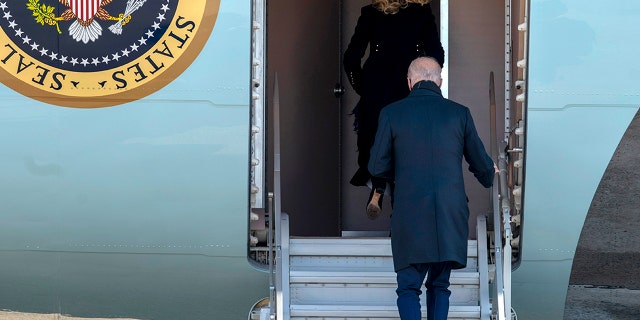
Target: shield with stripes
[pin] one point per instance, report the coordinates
(84, 9)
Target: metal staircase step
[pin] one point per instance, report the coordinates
(352, 254)
(378, 312)
(369, 277)
(377, 294)
(356, 264)
(353, 247)
(352, 288)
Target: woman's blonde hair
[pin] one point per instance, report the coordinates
(393, 6)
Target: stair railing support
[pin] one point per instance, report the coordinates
(483, 268)
(498, 281)
(506, 228)
(272, 276)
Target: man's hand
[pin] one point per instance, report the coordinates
(495, 167)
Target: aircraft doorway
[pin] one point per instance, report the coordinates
(305, 42)
(318, 149)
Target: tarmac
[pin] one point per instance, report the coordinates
(606, 303)
(605, 279)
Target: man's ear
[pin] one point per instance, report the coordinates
(409, 84)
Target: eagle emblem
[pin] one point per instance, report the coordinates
(85, 28)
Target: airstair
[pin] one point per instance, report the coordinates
(352, 278)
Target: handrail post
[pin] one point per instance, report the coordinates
(272, 285)
(498, 300)
(506, 225)
(282, 260)
(507, 265)
(483, 268)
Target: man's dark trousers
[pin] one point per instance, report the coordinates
(409, 283)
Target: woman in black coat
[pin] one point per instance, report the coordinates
(396, 31)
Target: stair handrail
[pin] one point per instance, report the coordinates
(276, 215)
(501, 218)
(498, 292)
(280, 221)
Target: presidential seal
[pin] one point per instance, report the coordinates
(99, 53)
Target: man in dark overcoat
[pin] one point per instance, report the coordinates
(420, 143)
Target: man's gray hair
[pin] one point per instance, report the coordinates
(425, 68)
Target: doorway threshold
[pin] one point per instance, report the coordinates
(365, 234)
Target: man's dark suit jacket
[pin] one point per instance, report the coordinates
(420, 143)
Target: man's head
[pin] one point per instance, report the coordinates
(424, 68)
